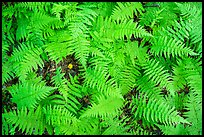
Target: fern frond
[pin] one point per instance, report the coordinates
(190, 70)
(40, 19)
(169, 46)
(126, 10)
(32, 60)
(87, 126)
(26, 59)
(194, 76)
(180, 31)
(128, 77)
(69, 90)
(147, 108)
(158, 75)
(188, 10)
(58, 9)
(59, 81)
(177, 101)
(19, 52)
(34, 5)
(29, 121)
(58, 51)
(118, 29)
(6, 126)
(194, 114)
(148, 87)
(81, 46)
(96, 78)
(170, 130)
(155, 17)
(100, 108)
(29, 93)
(22, 31)
(7, 71)
(115, 126)
(58, 115)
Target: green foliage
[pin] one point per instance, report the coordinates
(69, 90)
(29, 92)
(126, 10)
(100, 109)
(31, 122)
(136, 68)
(147, 109)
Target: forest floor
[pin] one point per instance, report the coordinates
(69, 65)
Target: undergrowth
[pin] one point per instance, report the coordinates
(102, 68)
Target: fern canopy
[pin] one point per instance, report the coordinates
(101, 68)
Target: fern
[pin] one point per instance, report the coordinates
(172, 47)
(29, 93)
(158, 16)
(126, 10)
(69, 90)
(194, 114)
(7, 71)
(99, 109)
(128, 78)
(31, 122)
(57, 115)
(117, 30)
(115, 126)
(158, 75)
(177, 130)
(145, 86)
(147, 108)
(77, 68)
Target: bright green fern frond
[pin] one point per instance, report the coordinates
(59, 81)
(170, 130)
(19, 52)
(158, 74)
(177, 101)
(96, 77)
(128, 77)
(58, 9)
(29, 121)
(7, 71)
(32, 60)
(6, 126)
(194, 114)
(158, 14)
(34, 5)
(56, 51)
(29, 93)
(169, 46)
(115, 126)
(179, 77)
(40, 19)
(88, 126)
(189, 10)
(155, 111)
(148, 87)
(189, 70)
(180, 30)
(81, 47)
(58, 115)
(29, 60)
(69, 90)
(100, 108)
(126, 10)
(194, 75)
(22, 30)
(118, 29)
